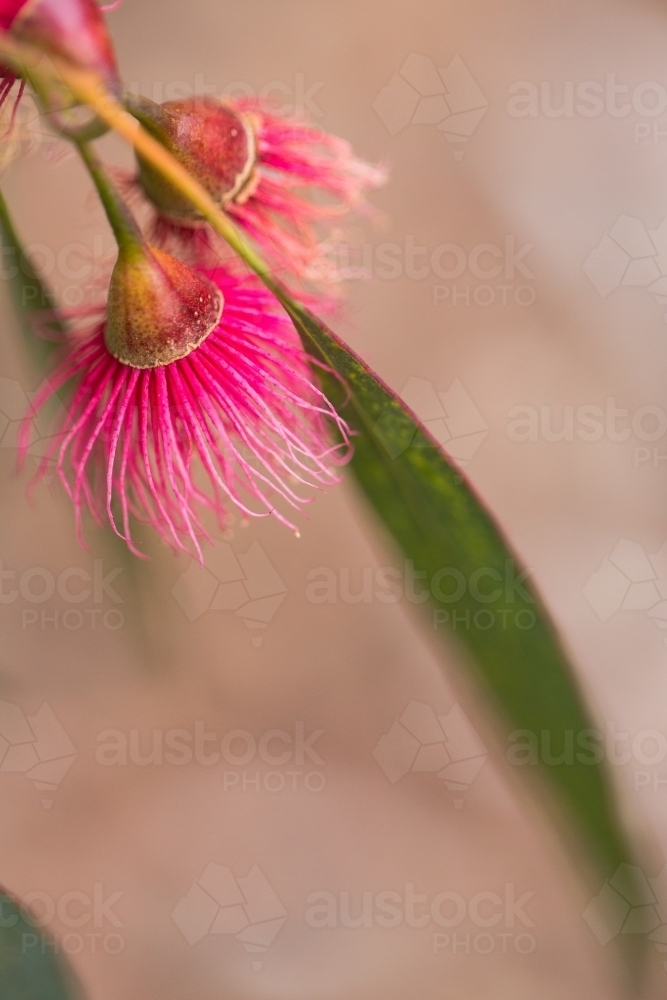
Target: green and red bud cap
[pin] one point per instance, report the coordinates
(215, 143)
(159, 309)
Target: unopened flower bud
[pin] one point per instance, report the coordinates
(72, 29)
(289, 185)
(159, 309)
(214, 142)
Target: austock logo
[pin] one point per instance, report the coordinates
(77, 921)
(35, 745)
(446, 745)
(639, 430)
(482, 275)
(450, 416)
(630, 580)
(630, 255)
(294, 763)
(41, 589)
(630, 903)
(481, 924)
(485, 599)
(421, 94)
(220, 904)
(246, 584)
(295, 97)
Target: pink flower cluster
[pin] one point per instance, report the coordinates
(183, 406)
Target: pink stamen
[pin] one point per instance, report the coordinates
(240, 414)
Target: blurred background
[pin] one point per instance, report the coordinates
(202, 802)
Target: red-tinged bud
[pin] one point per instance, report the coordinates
(72, 29)
(214, 142)
(8, 11)
(159, 309)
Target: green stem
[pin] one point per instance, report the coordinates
(125, 229)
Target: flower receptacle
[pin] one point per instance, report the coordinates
(159, 309)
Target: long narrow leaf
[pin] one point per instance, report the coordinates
(458, 551)
(30, 967)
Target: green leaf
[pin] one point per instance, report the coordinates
(30, 967)
(443, 528)
(34, 303)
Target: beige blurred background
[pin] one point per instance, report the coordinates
(561, 329)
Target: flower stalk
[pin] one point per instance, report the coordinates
(125, 229)
(89, 88)
(159, 309)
